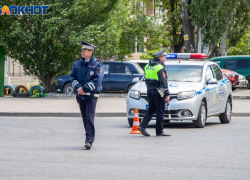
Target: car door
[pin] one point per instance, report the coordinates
(220, 93)
(120, 76)
(210, 91)
(105, 81)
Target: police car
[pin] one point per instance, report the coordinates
(198, 89)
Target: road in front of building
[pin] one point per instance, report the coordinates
(53, 148)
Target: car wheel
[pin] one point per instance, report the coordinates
(226, 116)
(248, 86)
(68, 89)
(130, 122)
(202, 117)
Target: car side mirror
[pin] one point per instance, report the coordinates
(135, 80)
(212, 81)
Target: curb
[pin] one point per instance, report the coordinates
(241, 97)
(116, 95)
(119, 114)
(20, 114)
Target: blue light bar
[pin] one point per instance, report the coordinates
(171, 56)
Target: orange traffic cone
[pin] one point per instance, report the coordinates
(135, 123)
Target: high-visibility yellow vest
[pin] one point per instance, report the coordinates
(151, 71)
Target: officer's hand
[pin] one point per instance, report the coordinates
(80, 91)
(167, 99)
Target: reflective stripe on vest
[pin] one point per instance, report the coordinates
(151, 71)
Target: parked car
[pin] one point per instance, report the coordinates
(198, 89)
(118, 76)
(239, 64)
(243, 82)
(232, 76)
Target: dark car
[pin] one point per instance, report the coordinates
(118, 76)
(239, 64)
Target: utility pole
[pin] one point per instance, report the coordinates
(2, 65)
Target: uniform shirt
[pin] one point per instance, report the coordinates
(156, 76)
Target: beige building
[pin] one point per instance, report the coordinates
(15, 75)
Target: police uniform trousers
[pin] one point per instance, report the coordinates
(156, 105)
(87, 108)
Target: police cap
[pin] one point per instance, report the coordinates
(160, 53)
(86, 45)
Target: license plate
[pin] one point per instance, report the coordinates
(166, 107)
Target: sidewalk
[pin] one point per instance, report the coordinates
(68, 107)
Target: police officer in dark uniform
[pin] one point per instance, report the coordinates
(86, 78)
(157, 92)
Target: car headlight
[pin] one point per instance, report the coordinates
(134, 94)
(242, 77)
(185, 95)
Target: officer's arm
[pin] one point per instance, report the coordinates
(73, 79)
(163, 81)
(94, 83)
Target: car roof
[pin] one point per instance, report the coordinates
(139, 61)
(187, 62)
(118, 62)
(223, 57)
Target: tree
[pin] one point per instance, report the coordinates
(242, 47)
(188, 27)
(173, 22)
(48, 44)
(237, 27)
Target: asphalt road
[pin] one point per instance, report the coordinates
(53, 148)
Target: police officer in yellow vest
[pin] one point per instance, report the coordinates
(157, 92)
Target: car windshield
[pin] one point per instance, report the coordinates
(184, 73)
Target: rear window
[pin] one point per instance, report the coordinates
(119, 69)
(138, 68)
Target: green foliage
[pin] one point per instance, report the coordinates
(212, 17)
(242, 47)
(239, 23)
(149, 54)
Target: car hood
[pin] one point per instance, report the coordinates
(229, 71)
(174, 87)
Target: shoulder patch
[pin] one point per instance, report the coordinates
(164, 75)
(99, 61)
(77, 60)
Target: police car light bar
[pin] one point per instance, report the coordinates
(185, 55)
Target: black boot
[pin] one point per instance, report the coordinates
(163, 134)
(143, 131)
(87, 145)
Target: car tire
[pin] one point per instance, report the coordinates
(202, 117)
(68, 89)
(130, 122)
(226, 116)
(248, 86)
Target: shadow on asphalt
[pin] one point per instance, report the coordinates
(181, 125)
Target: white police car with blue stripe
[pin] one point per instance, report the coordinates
(198, 89)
